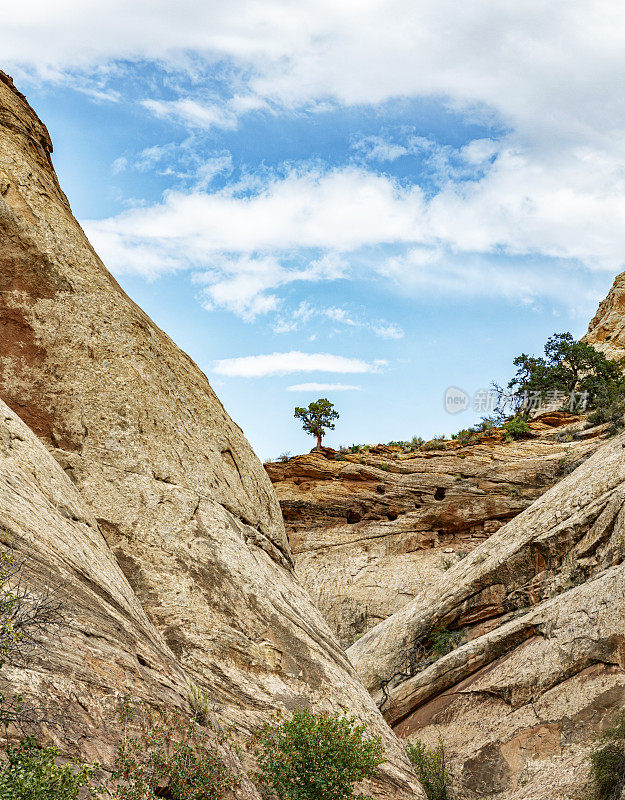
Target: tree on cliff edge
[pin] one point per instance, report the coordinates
(317, 418)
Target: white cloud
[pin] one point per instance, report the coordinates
(248, 246)
(294, 361)
(242, 283)
(420, 271)
(323, 387)
(197, 114)
(375, 148)
(388, 331)
(546, 72)
(119, 165)
(553, 63)
(337, 209)
(305, 312)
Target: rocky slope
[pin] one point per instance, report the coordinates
(164, 476)
(489, 583)
(606, 331)
(540, 668)
(370, 530)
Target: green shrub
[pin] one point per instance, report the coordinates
(485, 424)
(516, 428)
(435, 444)
(315, 756)
(608, 771)
(442, 641)
(612, 413)
(31, 773)
(201, 705)
(465, 436)
(607, 763)
(284, 457)
(169, 752)
(431, 769)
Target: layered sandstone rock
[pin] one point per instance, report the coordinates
(540, 668)
(186, 509)
(369, 531)
(606, 331)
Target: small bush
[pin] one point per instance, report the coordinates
(284, 457)
(435, 444)
(516, 428)
(486, 424)
(607, 763)
(465, 436)
(31, 773)
(608, 771)
(314, 756)
(201, 705)
(612, 413)
(170, 753)
(566, 465)
(431, 769)
(442, 641)
(26, 611)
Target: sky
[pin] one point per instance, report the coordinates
(367, 201)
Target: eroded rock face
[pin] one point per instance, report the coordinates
(186, 509)
(102, 647)
(371, 530)
(606, 331)
(541, 668)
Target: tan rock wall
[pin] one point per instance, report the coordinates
(184, 505)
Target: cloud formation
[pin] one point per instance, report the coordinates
(529, 62)
(323, 387)
(244, 246)
(293, 361)
(552, 186)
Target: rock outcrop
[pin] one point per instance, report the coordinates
(170, 490)
(539, 670)
(606, 331)
(370, 530)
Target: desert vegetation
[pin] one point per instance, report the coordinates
(318, 418)
(431, 768)
(315, 757)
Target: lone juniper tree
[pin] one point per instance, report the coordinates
(317, 418)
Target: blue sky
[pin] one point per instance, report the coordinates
(367, 201)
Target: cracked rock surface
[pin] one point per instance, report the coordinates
(540, 669)
(370, 530)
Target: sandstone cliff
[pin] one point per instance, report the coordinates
(170, 491)
(489, 583)
(606, 331)
(541, 666)
(369, 530)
